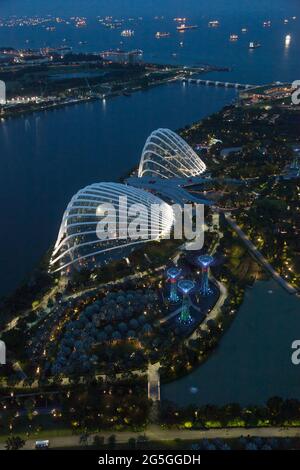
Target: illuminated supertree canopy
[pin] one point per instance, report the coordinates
(185, 286)
(173, 274)
(205, 262)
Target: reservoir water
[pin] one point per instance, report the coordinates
(253, 360)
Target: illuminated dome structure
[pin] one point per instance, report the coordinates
(78, 241)
(166, 155)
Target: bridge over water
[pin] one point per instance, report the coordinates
(238, 86)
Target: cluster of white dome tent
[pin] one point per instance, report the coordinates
(165, 156)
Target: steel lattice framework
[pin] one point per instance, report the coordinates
(166, 155)
(77, 239)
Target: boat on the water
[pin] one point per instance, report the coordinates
(213, 24)
(160, 35)
(267, 24)
(183, 27)
(127, 33)
(288, 39)
(254, 45)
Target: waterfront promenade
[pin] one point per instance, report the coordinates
(156, 433)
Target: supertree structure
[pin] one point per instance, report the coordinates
(185, 287)
(173, 274)
(205, 262)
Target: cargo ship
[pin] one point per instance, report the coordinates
(80, 23)
(267, 24)
(159, 35)
(127, 33)
(254, 45)
(288, 39)
(183, 27)
(213, 24)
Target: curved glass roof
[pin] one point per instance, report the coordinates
(78, 240)
(167, 155)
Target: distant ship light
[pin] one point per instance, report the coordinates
(288, 39)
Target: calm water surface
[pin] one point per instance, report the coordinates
(253, 361)
(273, 61)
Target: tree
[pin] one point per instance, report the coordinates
(274, 406)
(98, 441)
(29, 405)
(142, 440)
(111, 441)
(14, 443)
(132, 443)
(83, 440)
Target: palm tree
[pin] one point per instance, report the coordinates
(14, 443)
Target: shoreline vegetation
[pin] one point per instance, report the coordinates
(77, 78)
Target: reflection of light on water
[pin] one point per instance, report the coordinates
(288, 39)
(193, 390)
(270, 291)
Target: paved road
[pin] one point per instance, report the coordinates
(214, 313)
(287, 286)
(154, 382)
(158, 434)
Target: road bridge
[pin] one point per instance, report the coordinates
(238, 86)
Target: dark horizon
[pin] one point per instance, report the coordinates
(147, 8)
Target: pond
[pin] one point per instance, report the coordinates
(253, 361)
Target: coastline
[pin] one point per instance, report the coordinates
(178, 73)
